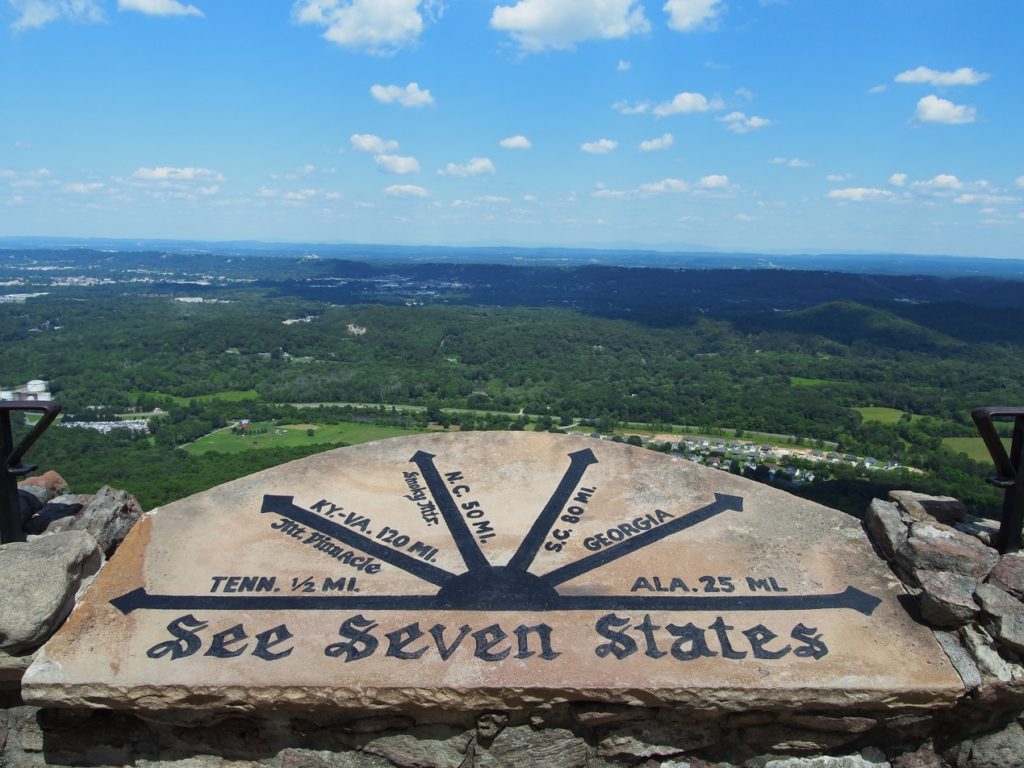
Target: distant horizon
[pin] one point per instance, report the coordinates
(762, 126)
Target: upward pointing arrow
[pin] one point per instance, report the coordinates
(578, 463)
(721, 503)
(471, 554)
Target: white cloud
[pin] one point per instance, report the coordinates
(898, 179)
(837, 177)
(33, 14)
(267, 192)
(529, 198)
(375, 26)
(715, 181)
(300, 195)
(738, 122)
(878, 89)
(662, 187)
(624, 108)
(367, 142)
(159, 7)
(1019, 183)
(985, 199)
(859, 194)
(743, 217)
(684, 15)
(475, 167)
(962, 76)
(932, 109)
(538, 25)
(516, 142)
(686, 102)
(623, 66)
(494, 199)
(410, 96)
(790, 162)
(942, 183)
(397, 164)
(405, 190)
(662, 142)
(165, 173)
(80, 188)
(599, 147)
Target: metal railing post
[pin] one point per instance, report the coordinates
(1009, 471)
(11, 464)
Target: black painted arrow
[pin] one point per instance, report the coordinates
(578, 463)
(471, 554)
(852, 598)
(721, 503)
(282, 505)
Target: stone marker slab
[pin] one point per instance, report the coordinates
(492, 570)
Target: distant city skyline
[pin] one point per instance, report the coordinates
(747, 125)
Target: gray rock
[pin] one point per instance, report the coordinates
(430, 747)
(962, 661)
(1008, 574)
(523, 747)
(50, 483)
(886, 527)
(981, 528)
(867, 759)
(925, 757)
(838, 724)
(937, 547)
(29, 504)
(51, 512)
(12, 667)
(108, 517)
(921, 506)
(1004, 749)
(42, 576)
(946, 599)
(656, 739)
(997, 602)
(308, 758)
(594, 713)
(980, 646)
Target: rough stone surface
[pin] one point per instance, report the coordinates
(980, 646)
(936, 547)
(108, 517)
(925, 757)
(863, 760)
(308, 758)
(1008, 574)
(665, 583)
(961, 659)
(523, 747)
(946, 599)
(981, 528)
(648, 740)
(1003, 749)
(921, 506)
(886, 526)
(41, 578)
(594, 714)
(833, 723)
(431, 747)
(12, 668)
(53, 485)
(51, 512)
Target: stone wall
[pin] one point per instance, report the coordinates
(955, 582)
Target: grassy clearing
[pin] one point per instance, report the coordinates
(974, 447)
(880, 415)
(229, 395)
(289, 435)
(800, 381)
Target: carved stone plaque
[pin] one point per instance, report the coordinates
(492, 570)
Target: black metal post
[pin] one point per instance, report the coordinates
(11, 464)
(1009, 471)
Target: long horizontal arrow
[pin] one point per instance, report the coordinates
(721, 503)
(578, 463)
(851, 598)
(282, 505)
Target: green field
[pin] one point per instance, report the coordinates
(880, 415)
(289, 435)
(974, 447)
(800, 381)
(229, 396)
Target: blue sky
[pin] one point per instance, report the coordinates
(754, 125)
